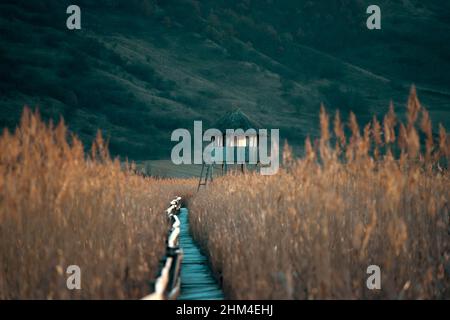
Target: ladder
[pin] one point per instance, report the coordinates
(208, 174)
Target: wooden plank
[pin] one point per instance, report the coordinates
(197, 280)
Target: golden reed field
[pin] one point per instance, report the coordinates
(360, 196)
(310, 232)
(61, 207)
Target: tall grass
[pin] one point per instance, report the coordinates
(376, 197)
(61, 207)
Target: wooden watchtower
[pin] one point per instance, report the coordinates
(242, 146)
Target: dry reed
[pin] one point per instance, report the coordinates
(310, 231)
(61, 207)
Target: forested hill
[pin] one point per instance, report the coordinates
(140, 68)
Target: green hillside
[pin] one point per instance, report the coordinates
(139, 69)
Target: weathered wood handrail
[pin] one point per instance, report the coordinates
(167, 285)
(173, 238)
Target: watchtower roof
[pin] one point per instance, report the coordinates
(236, 120)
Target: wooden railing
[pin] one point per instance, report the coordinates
(167, 285)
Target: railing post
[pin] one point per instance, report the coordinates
(167, 285)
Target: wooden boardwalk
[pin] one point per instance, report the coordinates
(197, 280)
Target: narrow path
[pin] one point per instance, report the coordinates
(197, 281)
